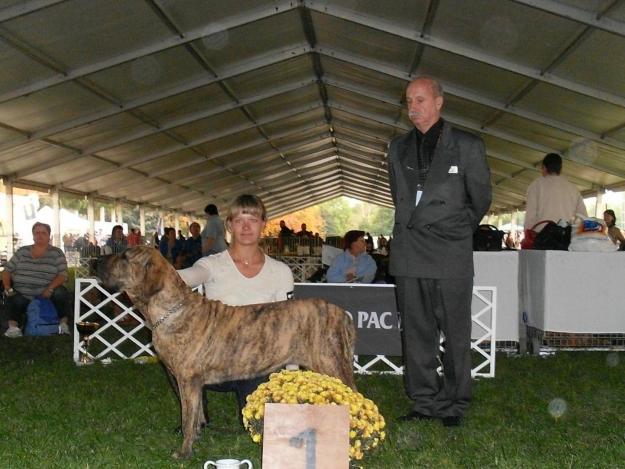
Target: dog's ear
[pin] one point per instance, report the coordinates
(154, 278)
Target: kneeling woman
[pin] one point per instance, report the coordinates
(242, 274)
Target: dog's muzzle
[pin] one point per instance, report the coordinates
(100, 268)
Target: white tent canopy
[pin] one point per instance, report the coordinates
(179, 103)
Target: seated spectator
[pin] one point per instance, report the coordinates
(614, 232)
(81, 243)
(36, 270)
(316, 244)
(283, 236)
(134, 237)
(304, 233)
(191, 249)
(369, 241)
(382, 241)
(67, 242)
(170, 246)
(353, 265)
(117, 242)
(285, 231)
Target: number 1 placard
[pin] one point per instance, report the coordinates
(304, 436)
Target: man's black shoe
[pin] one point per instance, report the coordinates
(452, 421)
(414, 415)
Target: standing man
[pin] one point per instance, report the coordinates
(440, 183)
(213, 240)
(192, 248)
(551, 196)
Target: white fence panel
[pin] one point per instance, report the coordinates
(113, 337)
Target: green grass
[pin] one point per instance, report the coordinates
(54, 414)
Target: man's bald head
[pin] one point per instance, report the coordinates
(424, 99)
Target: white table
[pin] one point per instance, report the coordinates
(501, 270)
(573, 292)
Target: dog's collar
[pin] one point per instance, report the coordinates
(173, 310)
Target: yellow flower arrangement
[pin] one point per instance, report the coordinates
(307, 387)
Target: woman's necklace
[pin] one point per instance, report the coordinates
(246, 262)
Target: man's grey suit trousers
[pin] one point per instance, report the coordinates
(429, 307)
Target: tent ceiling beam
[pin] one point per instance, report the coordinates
(461, 50)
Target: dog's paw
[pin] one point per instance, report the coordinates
(181, 454)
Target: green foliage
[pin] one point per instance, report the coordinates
(336, 215)
(381, 222)
(74, 202)
(57, 415)
(343, 214)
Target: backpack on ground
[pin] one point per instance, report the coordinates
(42, 317)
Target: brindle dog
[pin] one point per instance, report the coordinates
(203, 342)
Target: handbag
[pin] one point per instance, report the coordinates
(487, 238)
(530, 235)
(553, 237)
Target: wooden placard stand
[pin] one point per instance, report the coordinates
(305, 436)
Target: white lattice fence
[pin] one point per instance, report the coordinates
(113, 338)
(302, 267)
(83, 266)
(484, 324)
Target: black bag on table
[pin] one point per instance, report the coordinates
(487, 238)
(553, 237)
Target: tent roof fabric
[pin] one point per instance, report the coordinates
(176, 104)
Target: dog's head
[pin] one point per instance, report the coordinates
(140, 271)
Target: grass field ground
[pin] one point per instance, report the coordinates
(565, 410)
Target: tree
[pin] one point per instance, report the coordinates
(343, 214)
(336, 214)
(382, 221)
(311, 216)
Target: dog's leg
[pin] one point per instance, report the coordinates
(191, 408)
(172, 380)
(347, 349)
(345, 357)
(336, 356)
(202, 418)
(333, 363)
(346, 372)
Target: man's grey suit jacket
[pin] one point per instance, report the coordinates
(435, 238)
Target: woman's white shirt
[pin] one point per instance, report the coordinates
(223, 281)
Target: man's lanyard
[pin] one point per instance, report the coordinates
(421, 174)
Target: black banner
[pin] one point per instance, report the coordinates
(373, 309)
